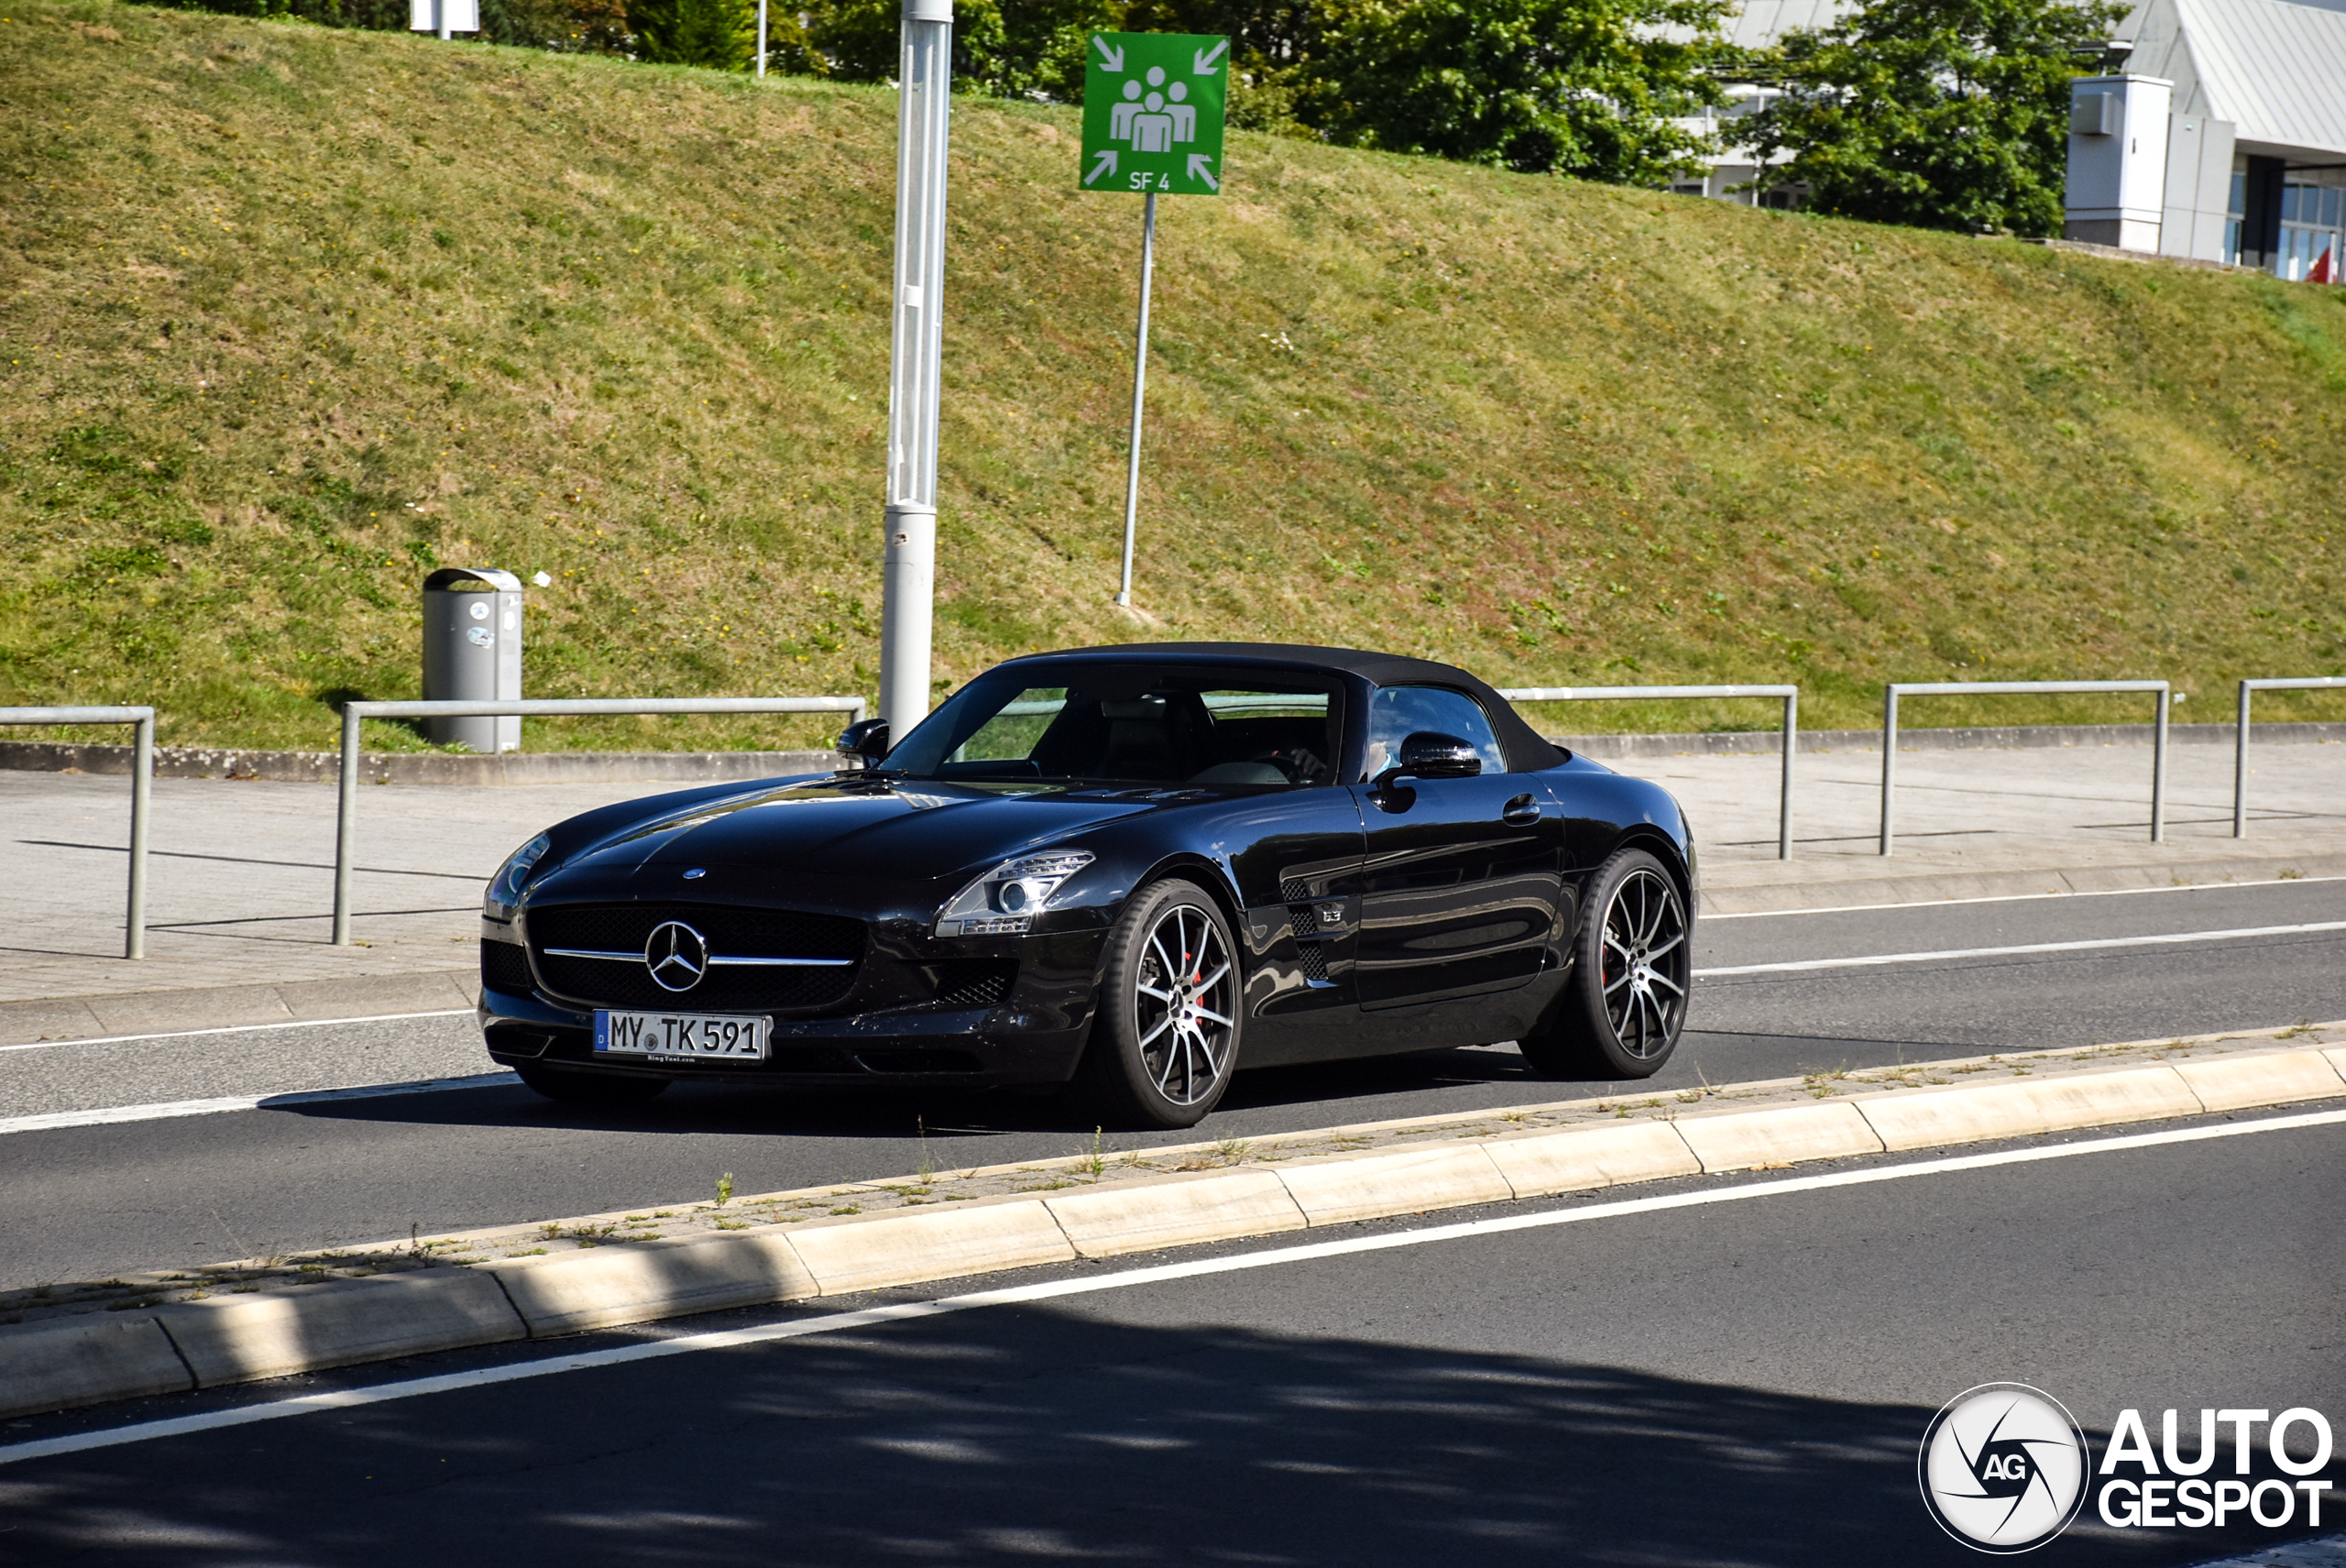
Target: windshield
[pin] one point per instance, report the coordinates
(1135, 724)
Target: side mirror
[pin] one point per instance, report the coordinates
(863, 746)
(1431, 755)
(1428, 754)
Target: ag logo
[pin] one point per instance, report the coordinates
(2004, 1468)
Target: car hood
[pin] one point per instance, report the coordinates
(911, 832)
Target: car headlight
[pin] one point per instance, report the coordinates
(505, 887)
(1006, 900)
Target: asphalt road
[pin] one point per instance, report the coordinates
(89, 1202)
(1738, 1383)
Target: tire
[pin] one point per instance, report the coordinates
(568, 1088)
(1162, 1054)
(1621, 1013)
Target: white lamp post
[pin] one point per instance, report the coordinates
(916, 352)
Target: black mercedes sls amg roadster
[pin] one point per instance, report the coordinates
(1135, 870)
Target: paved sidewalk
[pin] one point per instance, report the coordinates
(1986, 823)
(241, 881)
(242, 871)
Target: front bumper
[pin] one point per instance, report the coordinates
(1035, 1034)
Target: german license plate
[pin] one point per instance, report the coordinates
(681, 1036)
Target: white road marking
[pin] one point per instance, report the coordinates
(240, 1029)
(2017, 898)
(800, 1328)
(2170, 939)
(167, 1110)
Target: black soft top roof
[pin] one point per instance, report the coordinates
(1524, 749)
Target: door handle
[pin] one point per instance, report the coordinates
(1520, 812)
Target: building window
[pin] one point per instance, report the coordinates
(2239, 211)
(2310, 229)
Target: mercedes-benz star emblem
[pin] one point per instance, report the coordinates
(676, 955)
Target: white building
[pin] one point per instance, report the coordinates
(2224, 140)
(2251, 169)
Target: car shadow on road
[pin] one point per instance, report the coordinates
(1264, 1101)
(1279, 1098)
(1046, 1432)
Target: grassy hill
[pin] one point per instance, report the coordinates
(289, 316)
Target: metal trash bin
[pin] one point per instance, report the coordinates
(472, 653)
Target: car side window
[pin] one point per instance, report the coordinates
(1396, 713)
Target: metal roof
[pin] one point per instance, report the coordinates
(2275, 69)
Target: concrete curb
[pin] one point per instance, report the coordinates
(608, 1286)
(237, 1338)
(1177, 1212)
(233, 1007)
(81, 1361)
(1755, 1140)
(1336, 1190)
(1541, 1165)
(903, 1248)
(65, 1363)
(1934, 1118)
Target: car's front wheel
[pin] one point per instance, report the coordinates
(1166, 1040)
(570, 1088)
(1632, 969)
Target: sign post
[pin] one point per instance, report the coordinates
(1153, 107)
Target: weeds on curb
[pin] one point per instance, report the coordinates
(724, 1190)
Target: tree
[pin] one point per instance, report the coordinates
(1935, 114)
(1581, 87)
(1002, 49)
(719, 33)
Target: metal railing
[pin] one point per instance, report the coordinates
(1891, 693)
(142, 778)
(1790, 696)
(354, 713)
(2239, 735)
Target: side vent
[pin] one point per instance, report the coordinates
(505, 966)
(974, 982)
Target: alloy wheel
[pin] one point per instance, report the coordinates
(1187, 994)
(1646, 961)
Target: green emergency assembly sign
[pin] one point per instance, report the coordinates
(1152, 112)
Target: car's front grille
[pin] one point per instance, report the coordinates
(505, 966)
(729, 931)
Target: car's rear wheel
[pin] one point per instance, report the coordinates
(1632, 971)
(571, 1088)
(1166, 1039)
